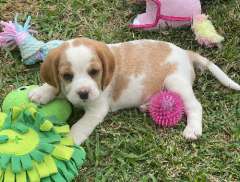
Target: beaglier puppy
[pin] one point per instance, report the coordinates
(107, 77)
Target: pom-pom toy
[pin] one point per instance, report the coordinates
(31, 49)
(166, 108)
(34, 149)
(58, 108)
(178, 13)
(205, 31)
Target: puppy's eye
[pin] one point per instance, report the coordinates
(67, 77)
(93, 72)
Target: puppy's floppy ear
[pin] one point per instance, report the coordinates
(108, 62)
(49, 69)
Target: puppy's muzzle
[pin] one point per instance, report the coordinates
(83, 95)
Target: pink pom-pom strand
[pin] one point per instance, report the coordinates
(13, 33)
(166, 108)
(7, 37)
(10, 35)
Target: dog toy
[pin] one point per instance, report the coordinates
(59, 109)
(177, 13)
(33, 148)
(166, 108)
(205, 32)
(31, 49)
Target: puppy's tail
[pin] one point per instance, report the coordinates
(203, 62)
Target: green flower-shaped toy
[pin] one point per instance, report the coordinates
(34, 140)
(33, 149)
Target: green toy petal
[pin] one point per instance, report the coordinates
(38, 118)
(62, 167)
(51, 164)
(55, 120)
(45, 147)
(20, 119)
(15, 112)
(21, 177)
(1, 174)
(68, 141)
(62, 152)
(42, 169)
(72, 167)
(46, 126)
(58, 178)
(78, 151)
(9, 176)
(37, 155)
(33, 175)
(3, 139)
(28, 117)
(5, 159)
(51, 137)
(26, 162)
(21, 128)
(62, 129)
(32, 110)
(47, 179)
(16, 164)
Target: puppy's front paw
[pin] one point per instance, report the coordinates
(41, 95)
(77, 134)
(144, 107)
(192, 133)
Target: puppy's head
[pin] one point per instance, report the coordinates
(80, 68)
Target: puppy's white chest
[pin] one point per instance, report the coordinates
(131, 96)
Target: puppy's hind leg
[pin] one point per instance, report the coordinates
(192, 106)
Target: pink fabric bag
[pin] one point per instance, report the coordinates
(173, 13)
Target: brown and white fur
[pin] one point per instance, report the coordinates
(107, 77)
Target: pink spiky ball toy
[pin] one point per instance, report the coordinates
(166, 108)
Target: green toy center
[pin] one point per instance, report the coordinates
(19, 144)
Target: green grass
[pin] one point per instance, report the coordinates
(128, 146)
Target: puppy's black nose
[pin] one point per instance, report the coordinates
(83, 95)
